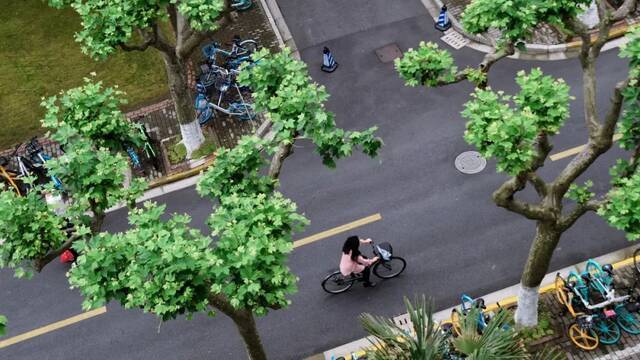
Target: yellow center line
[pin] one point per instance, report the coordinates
(337, 230)
(52, 327)
(575, 150)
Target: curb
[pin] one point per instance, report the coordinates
(279, 26)
(532, 51)
(496, 299)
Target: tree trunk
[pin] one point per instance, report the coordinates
(247, 328)
(545, 242)
(190, 130)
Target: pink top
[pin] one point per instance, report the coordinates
(348, 266)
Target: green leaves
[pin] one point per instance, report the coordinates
(580, 194)
(162, 267)
(547, 98)
(254, 237)
(517, 18)
(497, 130)
(202, 14)
(30, 229)
(509, 134)
(622, 211)
(629, 123)
(3, 325)
(428, 66)
(93, 112)
(93, 176)
(282, 87)
(237, 170)
(107, 24)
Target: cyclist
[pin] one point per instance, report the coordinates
(353, 262)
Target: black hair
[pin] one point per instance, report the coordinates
(352, 244)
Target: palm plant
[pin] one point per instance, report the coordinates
(427, 341)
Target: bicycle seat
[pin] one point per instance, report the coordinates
(608, 268)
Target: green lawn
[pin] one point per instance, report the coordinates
(39, 57)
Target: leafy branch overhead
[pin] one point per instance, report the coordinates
(509, 134)
(517, 18)
(282, 87)
(30, 230)
(93, 111)
(113, 23)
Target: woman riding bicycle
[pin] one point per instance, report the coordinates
(353, 262)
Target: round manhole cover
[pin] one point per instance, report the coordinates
(470, 162)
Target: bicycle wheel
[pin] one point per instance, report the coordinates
(209, 78)
(636, 260)
(628, 321)
(244, 111)
(608, 331)
(390, 268)
(247, 47)
(336, 283)
(585, 339)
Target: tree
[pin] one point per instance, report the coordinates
(138, 25)
(169, 269)
(517, 130)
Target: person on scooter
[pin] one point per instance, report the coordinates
(353, 262)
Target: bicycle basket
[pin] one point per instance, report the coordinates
(385, 250)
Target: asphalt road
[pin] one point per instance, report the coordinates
(443, 222)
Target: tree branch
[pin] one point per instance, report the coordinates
(283, 151)
(624, 10)
(39, 264)
(173, 18)
(504, 197)
(161, 43)
(566, 221)
(148, 40)
(611, 119)
(493, 57)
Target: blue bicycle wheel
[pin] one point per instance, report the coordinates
(608, 331)
(628, 321)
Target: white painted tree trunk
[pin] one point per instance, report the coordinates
(527, 311)
(192, 136)
(590, 16)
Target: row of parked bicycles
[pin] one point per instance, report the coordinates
(600, 305)
(28, 161)
(217, 81)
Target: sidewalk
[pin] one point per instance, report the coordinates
(547, 43)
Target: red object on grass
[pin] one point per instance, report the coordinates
(67, 257)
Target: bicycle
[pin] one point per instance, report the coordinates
(149, 152)
(38, 158)
(387, 267)
(242, 5)
(240, 52)
(10, 177)
(204, 108)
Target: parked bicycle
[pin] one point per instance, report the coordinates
(237, 107)
(242, 5)
(387, 267)
(240, 52)
(10, 177)
(37, 158)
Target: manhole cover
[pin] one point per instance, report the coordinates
(388, 53)
(470, 162)
(454, 39)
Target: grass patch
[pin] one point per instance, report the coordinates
(207, 148)
(40, 57)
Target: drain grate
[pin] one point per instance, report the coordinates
(454, 39)
(470, 162)
(404, 322)
(388, 53)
